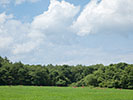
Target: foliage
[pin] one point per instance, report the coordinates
(113, 76)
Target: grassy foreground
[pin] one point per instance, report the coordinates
(62, 93)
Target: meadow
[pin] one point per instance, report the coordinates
(63, 93)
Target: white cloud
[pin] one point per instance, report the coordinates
(58, 17)
(29, 36)
(5, 42)
(24, 48)
(54, 24)
(115, 16)
(73, 55)
(12, 32)
(59, 14)
(41, 41)
(4, 17)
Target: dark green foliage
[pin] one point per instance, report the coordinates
(113, 76)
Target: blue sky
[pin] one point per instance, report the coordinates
(67, 32)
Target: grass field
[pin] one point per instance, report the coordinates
(62, 93)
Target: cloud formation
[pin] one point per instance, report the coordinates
(50, 24)
(115, 16)
(59, 15)
(5, 39)
(51, 35)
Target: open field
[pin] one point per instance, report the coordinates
(62, 93)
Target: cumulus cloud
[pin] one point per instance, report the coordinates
(12, 32)
(55, 22)
(59, 14)
(29, 36)
(25, 47)
(58, 17)
(4, 17)
(42, 39)
(115, 16)
(5, 42)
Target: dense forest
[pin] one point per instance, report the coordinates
(112, 76)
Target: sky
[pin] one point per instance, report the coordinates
(67, 31)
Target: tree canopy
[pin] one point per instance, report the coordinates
(112, 76)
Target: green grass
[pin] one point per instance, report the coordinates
(62, 93)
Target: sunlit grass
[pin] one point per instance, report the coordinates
(62, 93)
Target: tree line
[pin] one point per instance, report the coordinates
(112, 76)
